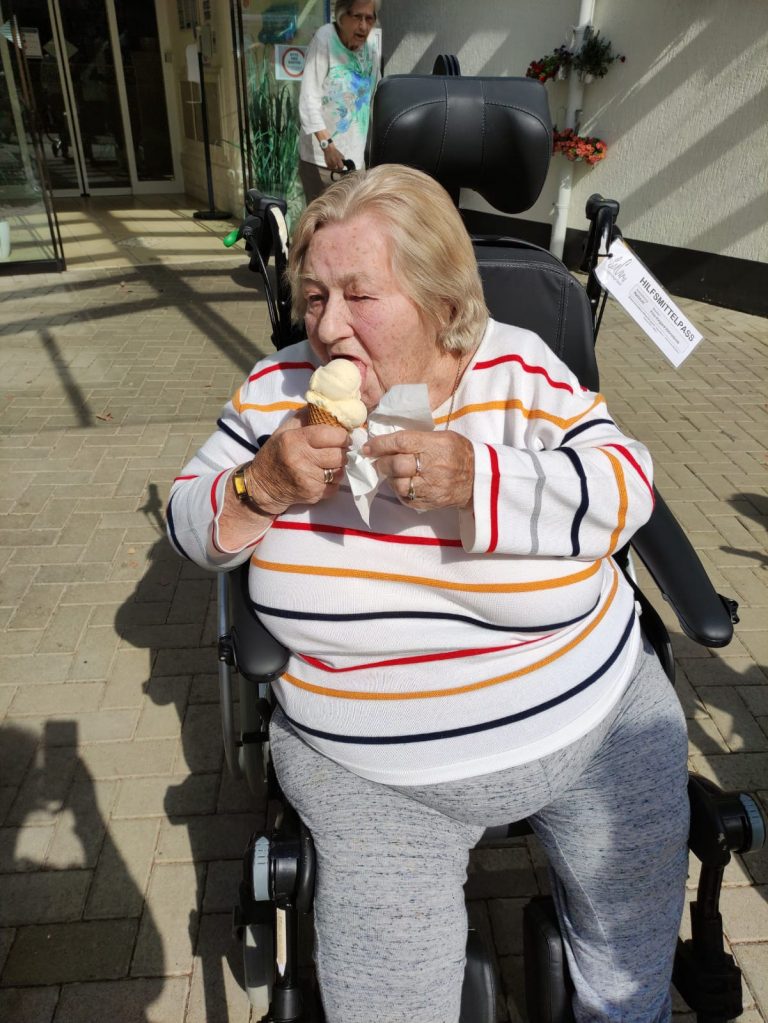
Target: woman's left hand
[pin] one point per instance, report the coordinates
(426, 470)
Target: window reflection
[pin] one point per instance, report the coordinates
(28, 231)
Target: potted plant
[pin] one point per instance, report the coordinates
(595, 57)
(274, 124)
(553, 65)
(576, 147)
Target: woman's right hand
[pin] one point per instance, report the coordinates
(334, 158)
(291, 466)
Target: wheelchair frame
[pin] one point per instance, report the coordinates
(279, 866)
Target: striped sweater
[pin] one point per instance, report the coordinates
(442, 645)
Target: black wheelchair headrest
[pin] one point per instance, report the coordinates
(492, 135)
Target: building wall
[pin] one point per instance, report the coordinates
(221, 103)
(685, 117)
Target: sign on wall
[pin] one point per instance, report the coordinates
(289, 61)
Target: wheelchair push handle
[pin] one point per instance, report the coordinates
(602, 215)
(349, 166)
(265, 232)
(257, 224)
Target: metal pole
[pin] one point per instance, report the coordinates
(211, 213)
(575, 103)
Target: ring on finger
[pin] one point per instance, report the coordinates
(328, 476)
(418, 465)
(411, 491)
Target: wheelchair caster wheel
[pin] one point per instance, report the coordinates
(258, 967)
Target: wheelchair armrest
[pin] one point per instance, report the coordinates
(666, 552)
(258, 655)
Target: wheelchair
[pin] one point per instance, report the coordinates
(493, 136)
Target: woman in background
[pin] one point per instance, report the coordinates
(341, 73)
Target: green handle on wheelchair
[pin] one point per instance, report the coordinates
(230, 239)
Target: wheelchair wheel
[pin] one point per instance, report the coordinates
(258, 967)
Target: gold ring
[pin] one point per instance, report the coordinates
(418, 465)
(328, 476)
(411, 491)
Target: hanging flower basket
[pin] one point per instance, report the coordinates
(579, 147)
(553, 65)
(595, 57)
(591, 61)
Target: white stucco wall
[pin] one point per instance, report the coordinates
(685, 117)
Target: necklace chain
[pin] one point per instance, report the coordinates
(456, 387)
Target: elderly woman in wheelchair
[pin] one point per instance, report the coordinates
(473, 655)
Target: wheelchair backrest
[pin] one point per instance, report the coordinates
(494, 136)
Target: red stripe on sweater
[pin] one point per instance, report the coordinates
(215, 506)
(281, 366)
(321, 527)
(420, 658)
(494, 503)
(528, 369)
(178, 478)
(635, 465)
(214, 502)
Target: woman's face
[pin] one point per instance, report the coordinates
(355, 26)
(356, 310)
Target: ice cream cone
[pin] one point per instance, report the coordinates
(333, 397)
(317, 416)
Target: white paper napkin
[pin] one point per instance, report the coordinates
(403, 407)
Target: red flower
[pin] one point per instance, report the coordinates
(578, 147)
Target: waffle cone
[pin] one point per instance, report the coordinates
(317, 416)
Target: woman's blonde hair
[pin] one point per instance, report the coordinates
(431, 252)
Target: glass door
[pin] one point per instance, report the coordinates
(88, 64)
(98, 77)
(29, 232)
(146, 96)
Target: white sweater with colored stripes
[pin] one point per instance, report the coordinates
(436, 646)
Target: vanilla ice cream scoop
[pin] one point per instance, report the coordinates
(334, 395)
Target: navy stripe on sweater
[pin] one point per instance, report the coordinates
(253, 448)
(585, 426)
(581, 511)
(485, 726)
(314, 616)
(172, 529)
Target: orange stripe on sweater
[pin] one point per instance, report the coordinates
(623, 498)
(275, 406)
(430, 694)
(438, 584)
(516, 405)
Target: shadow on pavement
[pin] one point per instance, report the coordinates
(741, 503)
(216, 812)
(80, 919)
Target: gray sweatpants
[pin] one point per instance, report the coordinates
(611, 812)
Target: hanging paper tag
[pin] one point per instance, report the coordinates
(639, 293)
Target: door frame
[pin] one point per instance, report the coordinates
(136, 187)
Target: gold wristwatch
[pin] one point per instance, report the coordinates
(241, 491)
(239, 484)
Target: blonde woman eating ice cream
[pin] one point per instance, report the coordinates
(472, 655)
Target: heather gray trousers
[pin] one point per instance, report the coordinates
(611, 812)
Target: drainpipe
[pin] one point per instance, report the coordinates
(573, 113)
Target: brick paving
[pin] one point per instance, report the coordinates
(120, 832)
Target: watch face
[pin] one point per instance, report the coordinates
(238, 481)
